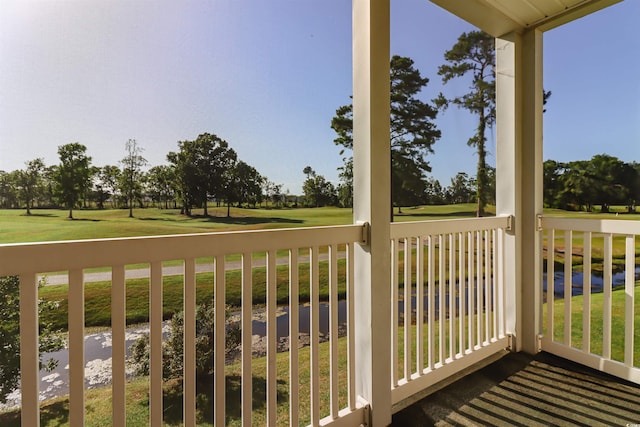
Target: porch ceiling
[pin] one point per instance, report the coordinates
(500, 17)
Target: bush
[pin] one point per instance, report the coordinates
(173, 346)
(50, 338)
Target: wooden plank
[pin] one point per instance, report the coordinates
(76, 348)
(294, 327)
(586, 292)
(247, 341)
(29, 352)
(629, 300)
(155, 338)
(189, 363)
(607, 283)
(407, 323)
(568, 283)
(118, 346)
(272, 340)
(219, 344)
(333, 330)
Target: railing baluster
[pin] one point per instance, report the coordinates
(294, 327)
(441, 297)
(333, 328)
(219, 386)
(607, 280)
(351, 345)
(479, 289)
(419, 305)
(76, 348)
(118, 347)
(487, 288)
(189, 396)
(551, 282)
(471, 290)
(155, 339)
(432, 302)
(315, 336)
(500, 284)
(629, 302)
(247, 330)
(461, 293)
(272, 339)
(29, 353)
(451, 276)
(494, 285)
(407, 308)
(568, 270)
(395, 301)
(586, 292)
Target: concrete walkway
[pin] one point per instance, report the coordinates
(177, 270)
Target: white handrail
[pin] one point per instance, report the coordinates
(16, 258)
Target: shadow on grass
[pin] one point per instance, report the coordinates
(173, 399)
(248, 220)
(56, 413)
(461, 214)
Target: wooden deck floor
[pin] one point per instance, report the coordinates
(524, 390)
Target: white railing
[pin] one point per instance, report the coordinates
(28, 261)
(449, 313)
(600, 331)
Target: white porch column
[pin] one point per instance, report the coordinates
(371, 168)
(519, 177)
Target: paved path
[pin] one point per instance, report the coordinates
(176, 270)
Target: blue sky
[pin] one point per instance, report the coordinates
(267, 76)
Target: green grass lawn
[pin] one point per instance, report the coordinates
(98, 401)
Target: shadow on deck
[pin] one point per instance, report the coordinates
(523, 390)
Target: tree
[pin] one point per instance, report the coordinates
(201, 167)
(50, 339)
(460, 190)
(29, 182)
(173, 350)
(72, 175)
(131, 178)
(474, 54)
(109, 179)
(162, 184)
(413, 132)
(317, 190)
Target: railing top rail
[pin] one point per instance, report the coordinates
(614, 226)
(425, 228)
(17, 258)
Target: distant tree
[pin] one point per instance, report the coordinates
(460, 190)
(162, 184)
(131, 178)
(317, 190)
(413, 131)
(434, 194)
(345, 188)
(273, 192)
(201, 167)
(30, 181)
(72, 175)
(9, 189)
(50, 339)
(109, 179)
(474, 54)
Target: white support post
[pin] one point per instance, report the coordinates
(372, 189)
(519, 177)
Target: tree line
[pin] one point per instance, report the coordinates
(201, 171)
(603, 181)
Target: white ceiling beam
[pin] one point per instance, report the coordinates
(481, 14)
(571, 14)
